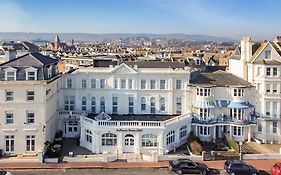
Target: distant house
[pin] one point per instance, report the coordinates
(11, 50)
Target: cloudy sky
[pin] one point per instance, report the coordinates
(259, 19)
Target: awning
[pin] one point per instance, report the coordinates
(222, 103)
(240, 105)
(204, 104)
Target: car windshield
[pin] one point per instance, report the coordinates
(175, 162)
(276, 167)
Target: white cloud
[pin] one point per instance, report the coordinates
(12, 17)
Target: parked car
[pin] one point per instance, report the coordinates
(187, 166)
(239, 167)
(275, 169)
(3, 172)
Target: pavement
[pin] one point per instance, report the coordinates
(260, 164)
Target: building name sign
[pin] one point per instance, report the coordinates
(136, 130)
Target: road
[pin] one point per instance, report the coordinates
(139, 171)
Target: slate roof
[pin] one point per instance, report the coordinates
(268, 62)
(30, 47)
(218, 78)
(44, 60)
(156, 64)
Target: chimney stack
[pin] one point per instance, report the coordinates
(246, 49)
(278, 39)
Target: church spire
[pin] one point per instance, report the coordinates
(57, 39)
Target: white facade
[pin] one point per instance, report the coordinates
(28, 110)
(263, 71)
(219, 112)
(125, 90)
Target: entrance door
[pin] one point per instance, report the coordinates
(129, 143)
(71, 128)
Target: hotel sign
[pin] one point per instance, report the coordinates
(135, 130)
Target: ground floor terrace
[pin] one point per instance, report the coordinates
(268, 129)
(159, 134)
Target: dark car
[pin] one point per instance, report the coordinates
(187, 166)
(240, 168)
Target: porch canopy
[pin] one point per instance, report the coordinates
(240, 105)
(204, 104)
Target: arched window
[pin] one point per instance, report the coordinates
(143, 104)
(109, 139)
(162, 104)
(183, 131)
(170, 137)
(93, 105)
(102, 104)
(88, 136)
(84, 103)
(149, 140)
(152, 105)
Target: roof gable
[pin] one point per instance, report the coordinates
(123, 69)
(259, 55)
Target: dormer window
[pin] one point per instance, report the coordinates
(31, 73)
(50, 72)
(10, 74)
(238, 92)
(267, 54)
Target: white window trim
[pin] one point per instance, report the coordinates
(31, 69)
(10, 69)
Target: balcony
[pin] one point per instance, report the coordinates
(222, 119)
(270, 117)
(135, 123)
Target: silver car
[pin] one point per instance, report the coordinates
(3, 172)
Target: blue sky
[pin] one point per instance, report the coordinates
(259, 19)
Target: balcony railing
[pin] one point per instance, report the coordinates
(135, 124)
(223, 119)
(270, 117)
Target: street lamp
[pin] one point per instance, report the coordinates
(240, 150)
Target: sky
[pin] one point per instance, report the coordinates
(260, 19)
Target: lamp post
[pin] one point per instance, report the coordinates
(240, 150)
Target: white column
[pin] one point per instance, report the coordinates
(249, 133)
(214, 130)
(177, 139)
(77, 102)
(230, 132)
(97, 142)
(196, 130)
(120, 142)
(137, 143)
(160, 143)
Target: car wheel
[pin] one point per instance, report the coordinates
(203, 173)
(179, 171)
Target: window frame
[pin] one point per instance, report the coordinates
(9, 95)
(178, 84)
(30, 119)
(30, 97)
(109, 139)
(9, 117)
(149, 140)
